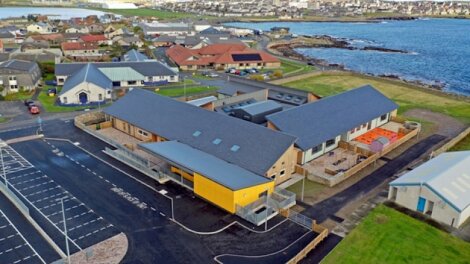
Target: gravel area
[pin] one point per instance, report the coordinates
(109, 251)
(446, 125)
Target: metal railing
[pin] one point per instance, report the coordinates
(301, 219)
(256, 212)
(281, 199)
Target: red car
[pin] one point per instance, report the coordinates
(34, 110)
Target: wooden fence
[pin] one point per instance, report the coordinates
(452, 142)
(322, 234)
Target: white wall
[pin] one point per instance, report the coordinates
(376, 122)
(91, 89)
(308, 155)
(408, 196)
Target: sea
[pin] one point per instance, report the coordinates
(61, 13)
(438, 49)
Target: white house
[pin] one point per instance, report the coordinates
(439, 188)
(40, 27)
(88, 85)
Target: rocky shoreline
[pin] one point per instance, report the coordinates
(287, 49)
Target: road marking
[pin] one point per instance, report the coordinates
(24, 239)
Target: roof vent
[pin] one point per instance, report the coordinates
(197, 133)
(235, 148)
(217, 141)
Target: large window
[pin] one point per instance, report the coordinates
(317, 149)
(100, 97)
(143, 133)
(131, 82)
(330, 142)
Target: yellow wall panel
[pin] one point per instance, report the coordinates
(214, 193)
(248, 195)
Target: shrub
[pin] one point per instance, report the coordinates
(257, 77)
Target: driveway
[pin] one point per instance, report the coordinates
(446, 125)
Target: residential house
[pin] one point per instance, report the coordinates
(172, 29)
(7, 37)
(98, 39)
(1, 46)
(129, 41)
(16, 75)
(53, 39)
(78, 29)
(81, 50)
(221, 56)
(40, 27)
(95, 28)
(322, 124)
(439, 188)
(88, 85)
(134, 55)
(123, 74)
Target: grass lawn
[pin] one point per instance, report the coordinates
(291, 67)
(49, 77)
(3, 119)
(48, 103)
(311, 188)
(462, 145)
(388, 236)
(19, 96)
(201, 77)
(181, 83)
(177, 92)
(406, 95)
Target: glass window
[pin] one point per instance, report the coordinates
(330, 142)
(383, 117)
(316, 149)
(282, 173)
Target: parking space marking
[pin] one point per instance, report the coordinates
(23, 243)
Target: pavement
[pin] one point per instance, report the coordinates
(127, 201)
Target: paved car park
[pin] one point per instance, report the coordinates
(14, 247)
(44, 198)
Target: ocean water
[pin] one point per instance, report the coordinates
(63, 13)
(439, 48)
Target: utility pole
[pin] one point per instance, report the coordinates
(65, 230)
(267, 206)
(303, 188)
(3, 144)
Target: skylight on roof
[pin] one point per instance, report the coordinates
(235, 148)
(197, 133)
(217, 141)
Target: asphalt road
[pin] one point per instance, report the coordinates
(328, 207)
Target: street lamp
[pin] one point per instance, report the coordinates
(2, 145)
(184, 89)
(65, 229)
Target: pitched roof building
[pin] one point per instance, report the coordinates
(222, 55)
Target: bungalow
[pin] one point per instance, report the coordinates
(231, 164)
(53, 39)
(88, 85)
(16, 75)
(7, 37)
(128, 41)
(123, 74)
(440, 188)
(221, 56)
(78, 29)
(322, 124)
(86, 50)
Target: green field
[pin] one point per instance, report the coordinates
(3, 119)
(291, 67)
(19, 96)
(462, 145)
(406, 95)
(388, 236)
(177, 92)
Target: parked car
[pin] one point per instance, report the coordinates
(27, 102)
(243, 73)
(230, 70)
(34, 110)
(213, 75)
(237, 72)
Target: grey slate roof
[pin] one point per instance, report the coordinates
(134, 55)
(19, 65)
(215, 169)
(90, 74)
(146, 68)
(259, 147)
(321, 120)
(448, 175)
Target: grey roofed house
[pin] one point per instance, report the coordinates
(258, 147)
(218, 170)
(319, 121)
(155, 28)
(447, 175)
(260, 107)
(6, 35)
(89, 74)
(134, 55)
(146, 68)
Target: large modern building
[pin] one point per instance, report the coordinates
(227, 161)
(439, 188)
(320, 125)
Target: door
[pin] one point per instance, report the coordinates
(83, 97)
(421, 204)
